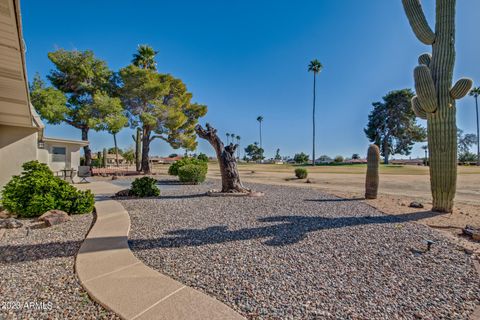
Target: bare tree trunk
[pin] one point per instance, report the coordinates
(86, 149)
(226, 158)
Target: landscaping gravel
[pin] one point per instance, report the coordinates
(297, 253)
(37, 276)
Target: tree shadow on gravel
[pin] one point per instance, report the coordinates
(334, 200)
(33, 252)
(286, 230)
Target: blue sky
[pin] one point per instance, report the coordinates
(249, 58)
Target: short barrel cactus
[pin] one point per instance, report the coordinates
(371, 182)
(435, 99)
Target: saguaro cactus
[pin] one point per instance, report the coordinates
(371, 182)
(138, 149)
(104, 158)
(435, 100)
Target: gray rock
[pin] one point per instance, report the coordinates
(415, 204)
(10, 223)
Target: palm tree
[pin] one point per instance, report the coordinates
(425, 148)
(315, 66)
(238, 149)
(475, 92)
(145, 57)
(260, 120)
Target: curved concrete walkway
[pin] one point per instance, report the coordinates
(116, 279)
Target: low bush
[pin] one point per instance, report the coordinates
(338, 159)
(301, 173)
(173, 169)
(37, 190)
(145, 187)
(192, 173)
(202, 157)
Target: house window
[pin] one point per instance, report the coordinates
(59, 154)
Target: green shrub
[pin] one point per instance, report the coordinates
(301, 173)
(37, 190)
(202, 157)
(173, 169)
(338, 159)
(145, 187)
(192, 173)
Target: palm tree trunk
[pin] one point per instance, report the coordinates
(313, 118)
(478, 134)
(116, 147)
(261, 146)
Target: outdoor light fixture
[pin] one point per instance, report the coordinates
(429, 244)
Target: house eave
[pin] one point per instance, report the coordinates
(66, 141)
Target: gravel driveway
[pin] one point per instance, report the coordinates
(37, 276)
(300, 254)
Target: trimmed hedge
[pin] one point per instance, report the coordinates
(301, 173)
(173, 169)
(192, 173)
(145, 187)
(37, 190)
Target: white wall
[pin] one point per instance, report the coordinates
(17, 146)
(72, 160)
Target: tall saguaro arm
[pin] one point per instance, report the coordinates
(418, 22)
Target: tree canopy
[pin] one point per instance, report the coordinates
(465, 141)
(301, 157)
(160, 103)
(77, 78)
(392, 125)
(254, 152)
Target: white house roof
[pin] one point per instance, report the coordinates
(66, 141)
(14, 99)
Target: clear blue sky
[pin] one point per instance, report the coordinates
(249, 58)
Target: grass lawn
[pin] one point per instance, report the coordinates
(348, 168)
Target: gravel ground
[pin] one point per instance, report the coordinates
(38, 280)
(300, 254)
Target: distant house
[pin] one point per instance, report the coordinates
(21, 130)
(162, 160)
(355, 161)
(411, 162)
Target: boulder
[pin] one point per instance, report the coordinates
(4, 214)
(123, 193)
(10, 223)
(54, 217)
(415, 204)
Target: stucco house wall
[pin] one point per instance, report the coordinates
(17, 146)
